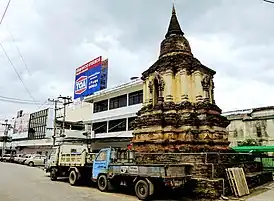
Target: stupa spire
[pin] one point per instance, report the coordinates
(174, 26)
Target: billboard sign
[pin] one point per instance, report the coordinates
(89, 77)
(21, 126)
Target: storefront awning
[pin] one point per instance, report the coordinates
(258, 149)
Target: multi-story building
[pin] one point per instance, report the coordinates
(113, 110)
(255, 124)
(33, 132)
(40, 123)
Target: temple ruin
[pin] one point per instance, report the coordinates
(180, 117)
(179, 113)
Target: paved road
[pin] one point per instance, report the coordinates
(22, 183)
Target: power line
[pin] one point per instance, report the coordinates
(19, 52)
(20, 102)
(17, 72)
(2, 18)
(18, 99)
(268, 1)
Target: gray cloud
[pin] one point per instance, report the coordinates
(233, 37)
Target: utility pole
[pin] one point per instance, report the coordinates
(55, 101)
(66, 100)
(5, 139)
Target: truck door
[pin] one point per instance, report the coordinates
(100, 164)
(53, 157)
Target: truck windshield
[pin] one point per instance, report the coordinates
(102, 156)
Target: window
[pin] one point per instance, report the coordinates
(117, 102)
(259, 131)
(100, 106)
(130, 123)
(117, 125)
(100, 127)
(73, 151)
(136, 97)
(102, 156)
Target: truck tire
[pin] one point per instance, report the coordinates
(73, 178)
(142, 189)
(31, 164)
(53, 174)
(102, 183)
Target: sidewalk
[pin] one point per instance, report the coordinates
(265, 196)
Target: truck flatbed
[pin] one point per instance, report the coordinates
(152, 170)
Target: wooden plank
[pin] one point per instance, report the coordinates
(244, 181)
(229, 181)
(237, 181)
(233, 186)
(240, 182)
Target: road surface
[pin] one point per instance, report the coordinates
(23, 183)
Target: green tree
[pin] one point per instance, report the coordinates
(249, 142)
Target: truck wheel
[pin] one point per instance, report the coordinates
(31, 164)
(73, 178)
(142, 190)
(102, 183)
(53, 174)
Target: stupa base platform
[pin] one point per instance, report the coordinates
(209, 178)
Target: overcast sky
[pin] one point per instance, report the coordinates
(235, 38)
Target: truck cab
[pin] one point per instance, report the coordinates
(70, 160)
(101, 163)
(116, 167)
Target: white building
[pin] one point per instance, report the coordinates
(256, 124)
(113, 110)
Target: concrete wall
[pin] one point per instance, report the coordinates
(118, 113)
(258, 125)
(77, 111)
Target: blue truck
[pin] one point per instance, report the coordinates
(113, 168)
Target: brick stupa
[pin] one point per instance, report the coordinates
(179, 113)
(180, 117)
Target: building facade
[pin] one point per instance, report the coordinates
(33, 132)
(113, 111)
(255, 124)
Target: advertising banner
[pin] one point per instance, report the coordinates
(104, 74)
(89, 78)
(21, 126)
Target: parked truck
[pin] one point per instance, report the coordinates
(72, 161)
(113, 168)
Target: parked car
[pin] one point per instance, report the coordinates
(23, 158)
(17, 158)
(6, 158)
(35, 160)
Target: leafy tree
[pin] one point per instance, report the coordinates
(249, 142)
